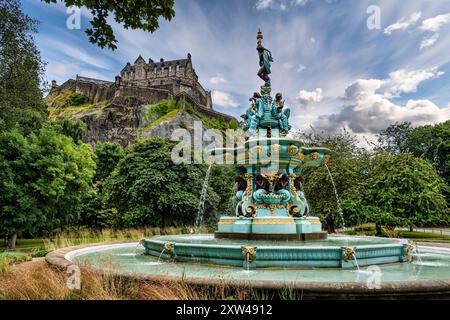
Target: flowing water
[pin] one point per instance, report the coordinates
(201, 206)
(337, 196)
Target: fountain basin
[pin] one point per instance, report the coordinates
(334, 252)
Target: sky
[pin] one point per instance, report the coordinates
(354, 64)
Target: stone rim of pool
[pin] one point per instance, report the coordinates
(65, 257)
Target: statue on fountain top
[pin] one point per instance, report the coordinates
(264, 112)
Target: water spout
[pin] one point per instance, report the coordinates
(337, 196)
(201, 206)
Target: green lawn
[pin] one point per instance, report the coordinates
(424, 235)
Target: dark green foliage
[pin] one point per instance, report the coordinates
(42, 180)
(21, 71)
(71, 128)
(348, 166)
(148, 189)
(77, 99)
(134, 14)
(405, 191)
(108, 154)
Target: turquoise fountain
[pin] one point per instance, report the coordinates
(273, 240)
(272, 225)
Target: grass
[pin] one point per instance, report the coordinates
(423, 235)
(9, 258)
(36, 280)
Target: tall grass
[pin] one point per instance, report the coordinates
(73, 238)
(36, 280)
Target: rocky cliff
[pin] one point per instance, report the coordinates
(125, 117)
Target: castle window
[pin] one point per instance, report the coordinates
(170, 68)
(178, 68)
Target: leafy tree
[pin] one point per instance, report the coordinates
(21, 71)
(42, 180)
(134, 14)
(405, 191)
(349, 169)
(430, 142)
(108, 154)
(148, 189)
(71, 128)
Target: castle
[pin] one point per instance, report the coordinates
(151, 82)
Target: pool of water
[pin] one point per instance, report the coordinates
(429, 263)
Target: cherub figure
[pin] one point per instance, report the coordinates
(280, 113)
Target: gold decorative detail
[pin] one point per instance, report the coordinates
(348, 254)
(314, 221)
(326, 158)
(249, 253)
(226, 221)
(315, 155)
(273, 221)
(300, 156)
(168, 248)
(228, 156)
(276, 147)
(292, 149)
(259, 149)
(408, 249)
(249, 189)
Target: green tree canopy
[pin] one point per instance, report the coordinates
(349, 169)
(42, 180)
(405, 191)
(134, 14)
(148, 189)
(108, 154)
(21, 71)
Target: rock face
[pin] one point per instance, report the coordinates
(124, 115)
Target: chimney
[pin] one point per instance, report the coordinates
(161, 60)
(189, 56)
(54, 85)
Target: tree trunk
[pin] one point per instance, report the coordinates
(11, 246)
(378, 228)
(411, 228)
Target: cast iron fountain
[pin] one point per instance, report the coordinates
(273, 240)
(271, 206)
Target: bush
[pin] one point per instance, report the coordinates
(77, 99)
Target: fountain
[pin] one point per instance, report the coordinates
(271, 206)
(273, 240)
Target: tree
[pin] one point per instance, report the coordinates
(430, 142)
(349, 168)
(134, 14)
(42, 180)
(108, 154)
(148, 189)
(21, 71)
(405, 191)
(71, 128)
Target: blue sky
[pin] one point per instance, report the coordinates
(333, 69)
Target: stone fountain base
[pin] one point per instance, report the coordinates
(270, 228)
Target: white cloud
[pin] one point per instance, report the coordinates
(263, 4)
(434, 24)
(218, 79)
(365, 111)
(300, 68)
(312, 40)
(429, 41)
(403, 23)
(307, 98)
(300, 2)
(407, 81)
(223, 99)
